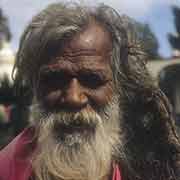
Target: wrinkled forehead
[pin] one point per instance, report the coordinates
(93, 38)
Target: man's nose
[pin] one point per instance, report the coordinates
(74, 97)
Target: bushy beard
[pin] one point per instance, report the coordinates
(76, 146)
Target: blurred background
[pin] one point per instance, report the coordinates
(155, 22)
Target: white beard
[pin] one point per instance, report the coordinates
(76, 157)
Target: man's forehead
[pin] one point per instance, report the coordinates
(94, 38)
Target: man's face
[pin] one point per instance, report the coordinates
(80, 119)
(76, 85)
(79, 77)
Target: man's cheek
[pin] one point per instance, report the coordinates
(102, 96)
(49, 98)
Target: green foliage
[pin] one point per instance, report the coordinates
(5, 33)
(174, 39)
(6, 91)
(2, 116)
(149, 41)
(145, 37)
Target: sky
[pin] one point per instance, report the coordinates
(157, 13)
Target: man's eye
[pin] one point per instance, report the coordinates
(91, 80)
(55, 79)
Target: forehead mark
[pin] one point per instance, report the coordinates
(95, 38)
(90, 48)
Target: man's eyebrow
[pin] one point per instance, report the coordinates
(85, 71)
(99, 72)
(50, 68)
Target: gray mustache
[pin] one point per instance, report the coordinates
(82, 118)
(79, 119)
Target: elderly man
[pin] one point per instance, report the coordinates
(96, 113)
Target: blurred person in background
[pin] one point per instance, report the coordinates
(13, 111)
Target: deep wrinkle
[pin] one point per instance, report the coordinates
(72, 71)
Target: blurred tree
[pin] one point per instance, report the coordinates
(174, 39)
(144, 35)
(5, 34)
(6, 90)
(148, 40)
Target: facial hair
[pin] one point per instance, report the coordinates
(78, 154)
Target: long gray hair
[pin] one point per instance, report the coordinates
(151, 144)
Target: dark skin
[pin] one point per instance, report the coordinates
(79, 76)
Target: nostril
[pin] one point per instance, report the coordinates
(83, 99)
(77, 101)
(74, 96)
(74, 101)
